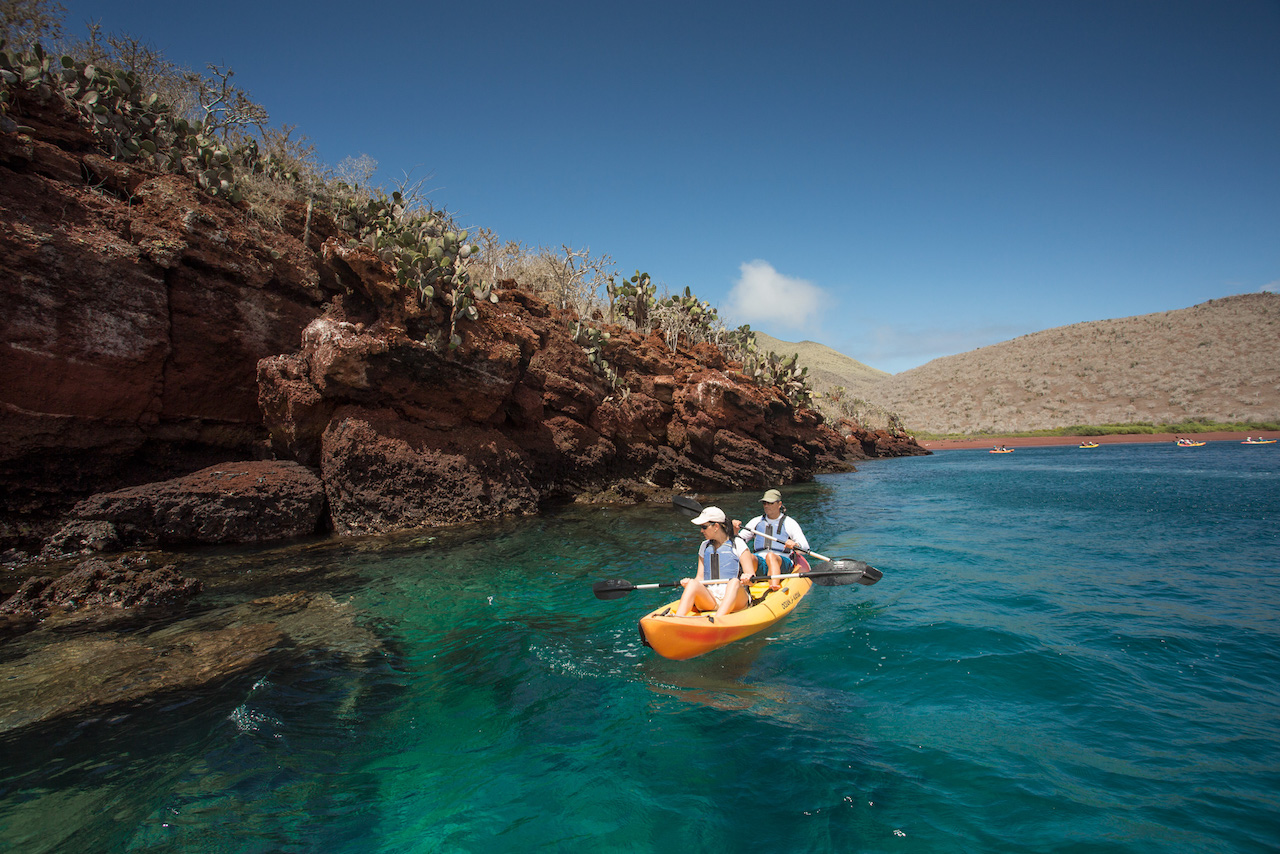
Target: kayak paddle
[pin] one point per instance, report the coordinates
(868, 574)
(850, 571)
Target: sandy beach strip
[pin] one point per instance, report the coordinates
(1117, 439)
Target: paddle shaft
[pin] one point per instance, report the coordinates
(743, 534)
(772, 577)
(656, 585)
(727, 580)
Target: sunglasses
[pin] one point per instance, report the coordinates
(705, 525)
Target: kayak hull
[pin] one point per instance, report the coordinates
(681, 638)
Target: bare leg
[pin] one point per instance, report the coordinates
(774, 560)
(695, 594)
(735, 599)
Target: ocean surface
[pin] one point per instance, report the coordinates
(1070, 650)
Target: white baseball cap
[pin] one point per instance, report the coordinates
(710, 514)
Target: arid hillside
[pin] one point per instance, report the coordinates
(828, 368)
(1217, 360)
(842, 386)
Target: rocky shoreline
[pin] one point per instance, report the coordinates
(181, 374)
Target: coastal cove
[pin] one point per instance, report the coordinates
(349, 519)
(1066, 650)
(1054, 441)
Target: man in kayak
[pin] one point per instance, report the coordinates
(721, 555)
(775, 522)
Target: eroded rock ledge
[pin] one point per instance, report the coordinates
(406, 433)
(248, 502)
(110, 668)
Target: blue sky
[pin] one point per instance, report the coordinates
(897, 180)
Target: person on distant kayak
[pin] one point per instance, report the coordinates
(775, 522)
(721, 555)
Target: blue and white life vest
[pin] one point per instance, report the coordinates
(713, 559)
(774, 528)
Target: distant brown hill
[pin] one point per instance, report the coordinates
(1218, 360)
(827, 368)
(841, 385)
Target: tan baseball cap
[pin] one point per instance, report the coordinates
(772, 495)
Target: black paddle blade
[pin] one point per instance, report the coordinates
(870, 575)
(613, 588)
(688, 505)
(844, 571)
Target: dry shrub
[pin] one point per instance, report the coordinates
(569, 278)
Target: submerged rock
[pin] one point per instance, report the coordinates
(71, 675)
(91, 672)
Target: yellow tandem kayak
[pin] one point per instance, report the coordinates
(680, 638)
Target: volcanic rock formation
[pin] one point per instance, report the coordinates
(153, 331)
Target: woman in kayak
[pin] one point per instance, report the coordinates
(721, 555)
(775, 522)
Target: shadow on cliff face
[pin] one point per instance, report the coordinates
(136, 311)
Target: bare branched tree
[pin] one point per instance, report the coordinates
(24, 22)
(357, 171)
(146, 62)
(226, 108)
(575, 277)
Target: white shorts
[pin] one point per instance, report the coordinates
(718, 591)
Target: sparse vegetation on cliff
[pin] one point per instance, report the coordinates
(187, 288)
(146, 109)
(430, 255)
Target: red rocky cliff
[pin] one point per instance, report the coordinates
(407, 432)
(136, 310)
(151, 331)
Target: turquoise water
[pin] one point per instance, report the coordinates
(1070, 650)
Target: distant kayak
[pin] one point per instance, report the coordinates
(680, 638)
(1182, 444)
(1001, 451)
(1258, 442)
(1088, 444)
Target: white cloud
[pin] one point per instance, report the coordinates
(762, 295)
(1271, 287)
